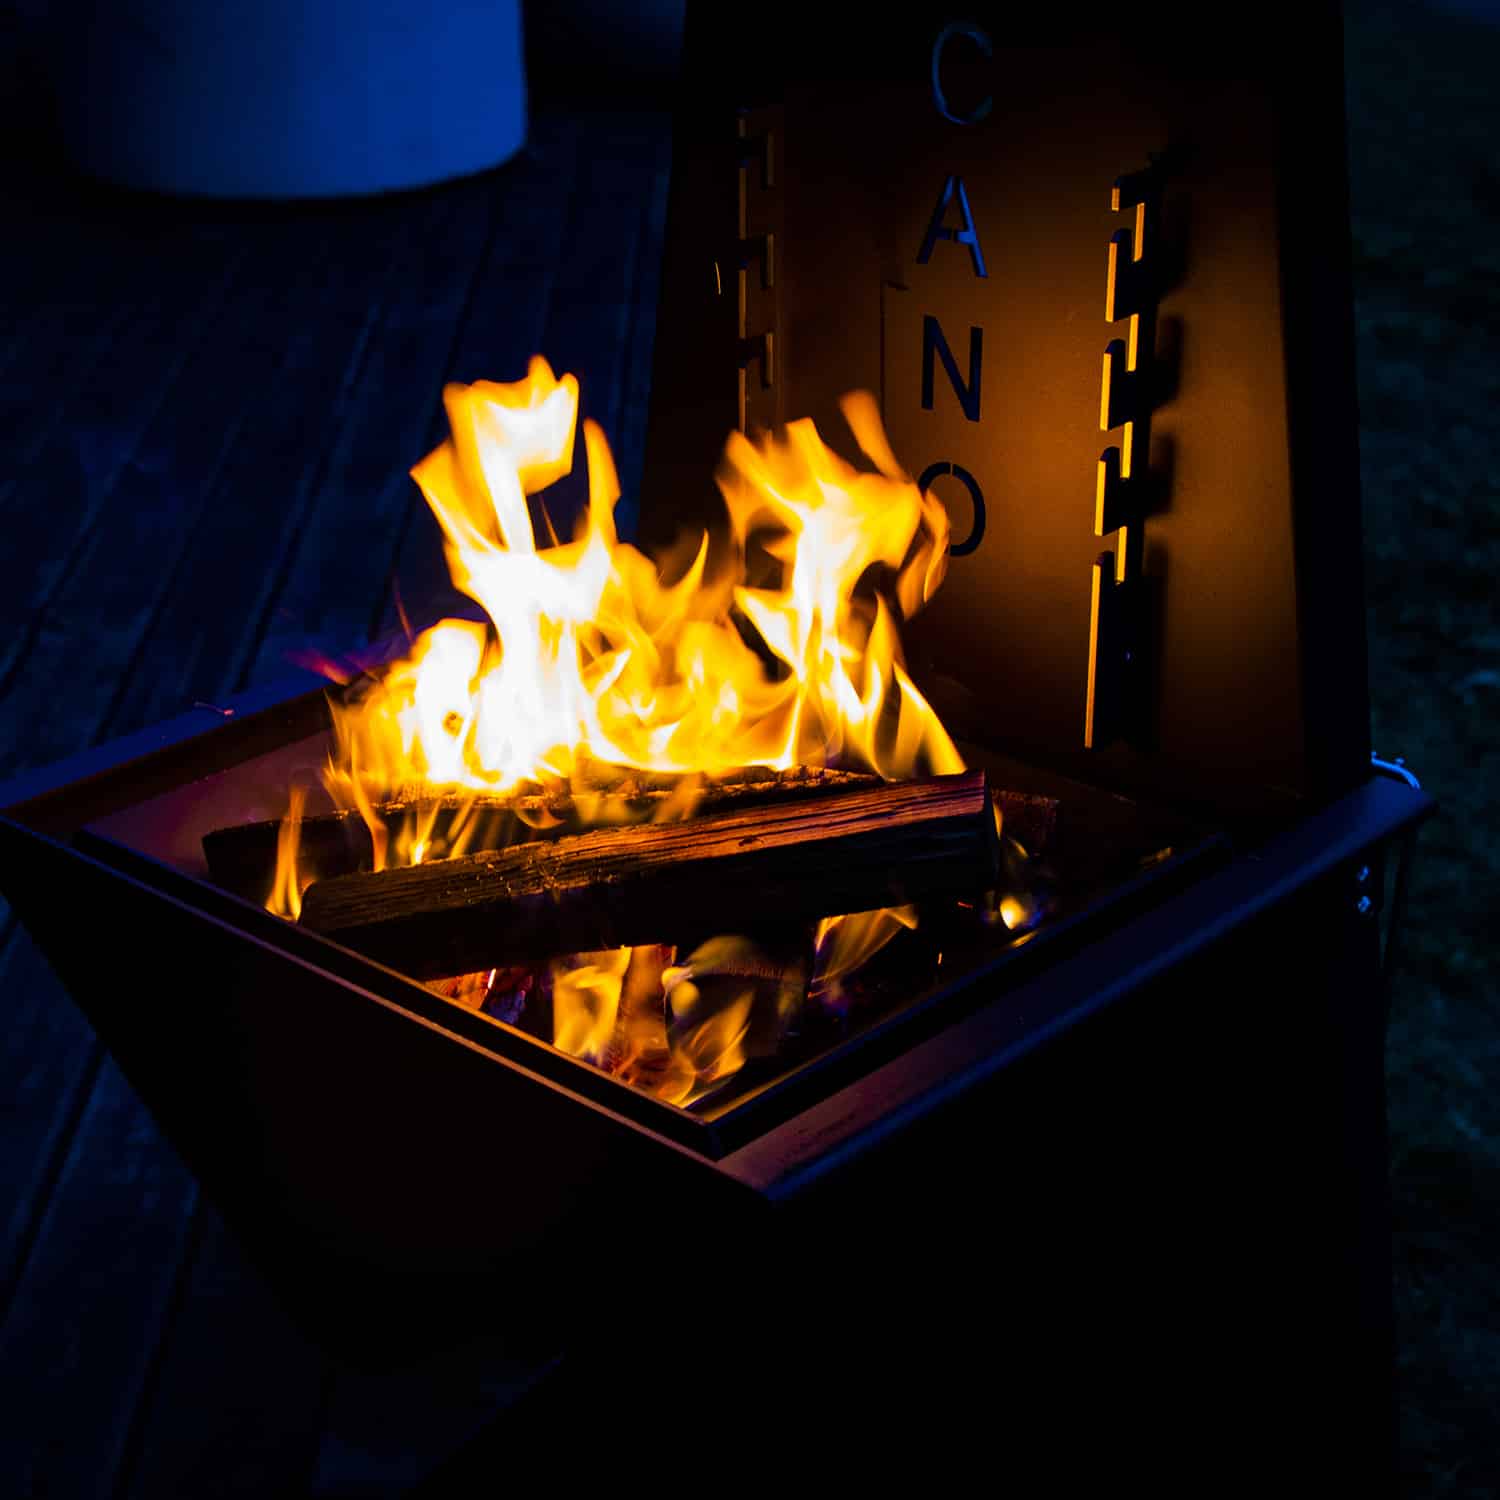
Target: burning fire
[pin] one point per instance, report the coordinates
(777, 646)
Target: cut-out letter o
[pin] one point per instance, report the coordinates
(976, 496)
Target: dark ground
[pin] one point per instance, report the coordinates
(1424, 111)
(1424, 97)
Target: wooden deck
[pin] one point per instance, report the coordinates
(207, 418)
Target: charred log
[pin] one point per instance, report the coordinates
(653, 882)
(242, 858)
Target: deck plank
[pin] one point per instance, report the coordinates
(48, 1057)
(73, 274)
(62, 483)
(236, 1406)
(259, 513)
(78, 1332)
(339, 566)
(634, 383)
(593, 306)
(89, 633)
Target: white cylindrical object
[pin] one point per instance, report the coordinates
(288, 98)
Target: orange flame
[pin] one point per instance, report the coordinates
(843, 944)
(286, 891)
(591, 657)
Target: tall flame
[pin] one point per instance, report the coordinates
(590, 656)
(776, 645)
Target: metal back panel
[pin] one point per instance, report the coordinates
(1150, 463)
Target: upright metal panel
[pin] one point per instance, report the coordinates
(955, 209)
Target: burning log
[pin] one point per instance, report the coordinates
(498, 992)
(242, 859)
(639, 1051)
(649, 882)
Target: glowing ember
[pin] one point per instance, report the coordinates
(594, 661)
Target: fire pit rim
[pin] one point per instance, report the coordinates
(60, 803)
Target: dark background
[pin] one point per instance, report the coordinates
(206, 415)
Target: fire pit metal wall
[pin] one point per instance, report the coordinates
(945, 212)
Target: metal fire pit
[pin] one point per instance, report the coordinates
(1125, 1178)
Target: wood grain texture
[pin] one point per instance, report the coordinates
(339, 569)
(854, 851)
(48, 1058)
(242, 858)
(331, 316)
(60, 496)
(92, 627)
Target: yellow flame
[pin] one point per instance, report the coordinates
(586, 1002)
(646, 1018)
(590, 655)
(286, 889)
(775, 643)
(845, 943)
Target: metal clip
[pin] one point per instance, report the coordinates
(1132, 286)
(758, 327)
(1116, 496)
(1123, 396)
(761, 248)
(759, 347)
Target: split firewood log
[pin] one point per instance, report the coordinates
(242, 858)
(884, 845)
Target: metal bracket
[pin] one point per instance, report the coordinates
(760, 248)
(757, 148)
